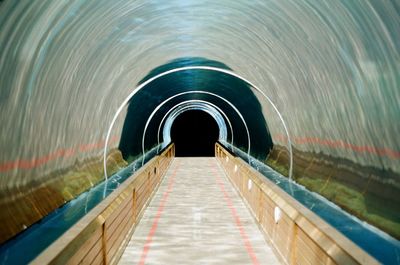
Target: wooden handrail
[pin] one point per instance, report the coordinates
(299, 236)
(101, 235)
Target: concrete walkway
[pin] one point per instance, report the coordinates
(196, 217)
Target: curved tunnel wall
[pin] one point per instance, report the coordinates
(331, 67)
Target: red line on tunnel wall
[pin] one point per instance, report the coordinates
(27, 164)
(38, 161)
(342, 144)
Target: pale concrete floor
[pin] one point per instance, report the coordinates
(196, 217)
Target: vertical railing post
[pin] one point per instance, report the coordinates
(134, 206)
(148, 184)
(293, 242)
(104, 243)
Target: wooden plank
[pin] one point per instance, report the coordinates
(267, 202)
(98, 260)
(197, 170)
(86, 247)
(70, 245)
(254, 199)
(71, 242)
(155, 180)
(116, 233)
(122, 234)
(268, 223)
(142, 192)
(122, 206)
(93, 253)
(142, 187)
(302, 260)
(141, 201)
(338, 248)
(313, 252)
(282, 236)
(111, 227)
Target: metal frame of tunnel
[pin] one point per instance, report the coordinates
(197, 92)
(169, 120)
(213, 112)
(191, 105)
(208, 68)
(210, 110)
(185, 106)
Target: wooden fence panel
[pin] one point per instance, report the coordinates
(299, 236)
(99, 237)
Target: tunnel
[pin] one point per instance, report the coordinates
(194, 133)
(307, 88)
(214, 87)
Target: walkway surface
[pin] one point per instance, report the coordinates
(196, 217)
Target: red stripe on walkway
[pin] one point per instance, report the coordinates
(236, 217)
(160, 210)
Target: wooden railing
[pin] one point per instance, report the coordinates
(102, 235)
(298, 236)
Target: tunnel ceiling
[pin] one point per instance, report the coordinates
(331, 67)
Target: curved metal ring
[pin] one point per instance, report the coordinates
(190, 103)
(209, 68)
(169, 120)
(200, 92)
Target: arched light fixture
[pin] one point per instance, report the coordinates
(185, 106)
(199, 92)
(207, 68)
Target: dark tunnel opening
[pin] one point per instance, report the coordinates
(231, 88)
(194, 133)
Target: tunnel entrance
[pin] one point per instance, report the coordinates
(231, 88)
(194, 133)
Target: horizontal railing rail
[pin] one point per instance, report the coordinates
(101, 236)
(298, 235)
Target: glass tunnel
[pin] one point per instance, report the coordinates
(309, 89)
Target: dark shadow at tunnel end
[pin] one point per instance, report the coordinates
(229, 87)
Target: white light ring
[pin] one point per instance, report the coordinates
(158, 108)
(210, 68)
(200, 92)
(179, 110)
(232, 146)
(223, 135)
(189, 103)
